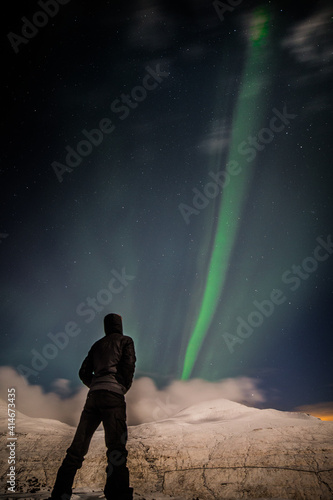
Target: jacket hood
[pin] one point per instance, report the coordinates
(113, 324)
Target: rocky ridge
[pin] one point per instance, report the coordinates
(213, 450)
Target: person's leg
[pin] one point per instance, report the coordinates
(89, 421)
(113, 410)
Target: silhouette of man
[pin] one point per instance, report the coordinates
(108, 372)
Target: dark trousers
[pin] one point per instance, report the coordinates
(109, 408)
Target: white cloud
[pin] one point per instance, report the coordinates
(34, 402)
(217, 140)
(309, 41)
(62, 387)
(145, 402)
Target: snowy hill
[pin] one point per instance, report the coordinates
(212, 450)
(25, 424)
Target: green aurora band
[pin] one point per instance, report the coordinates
(246, 118)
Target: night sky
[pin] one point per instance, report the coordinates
(171, 162)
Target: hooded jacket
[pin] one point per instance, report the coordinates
(110, 363)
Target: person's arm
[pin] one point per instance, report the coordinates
(86, 371)
(128, 363)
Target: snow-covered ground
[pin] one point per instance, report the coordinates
(85, 494)
(212, 450)
(89, 495)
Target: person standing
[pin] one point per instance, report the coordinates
(108, 371)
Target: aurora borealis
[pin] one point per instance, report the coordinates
(233, 197)
(202, 216)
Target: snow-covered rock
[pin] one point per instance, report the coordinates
(213, 450)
